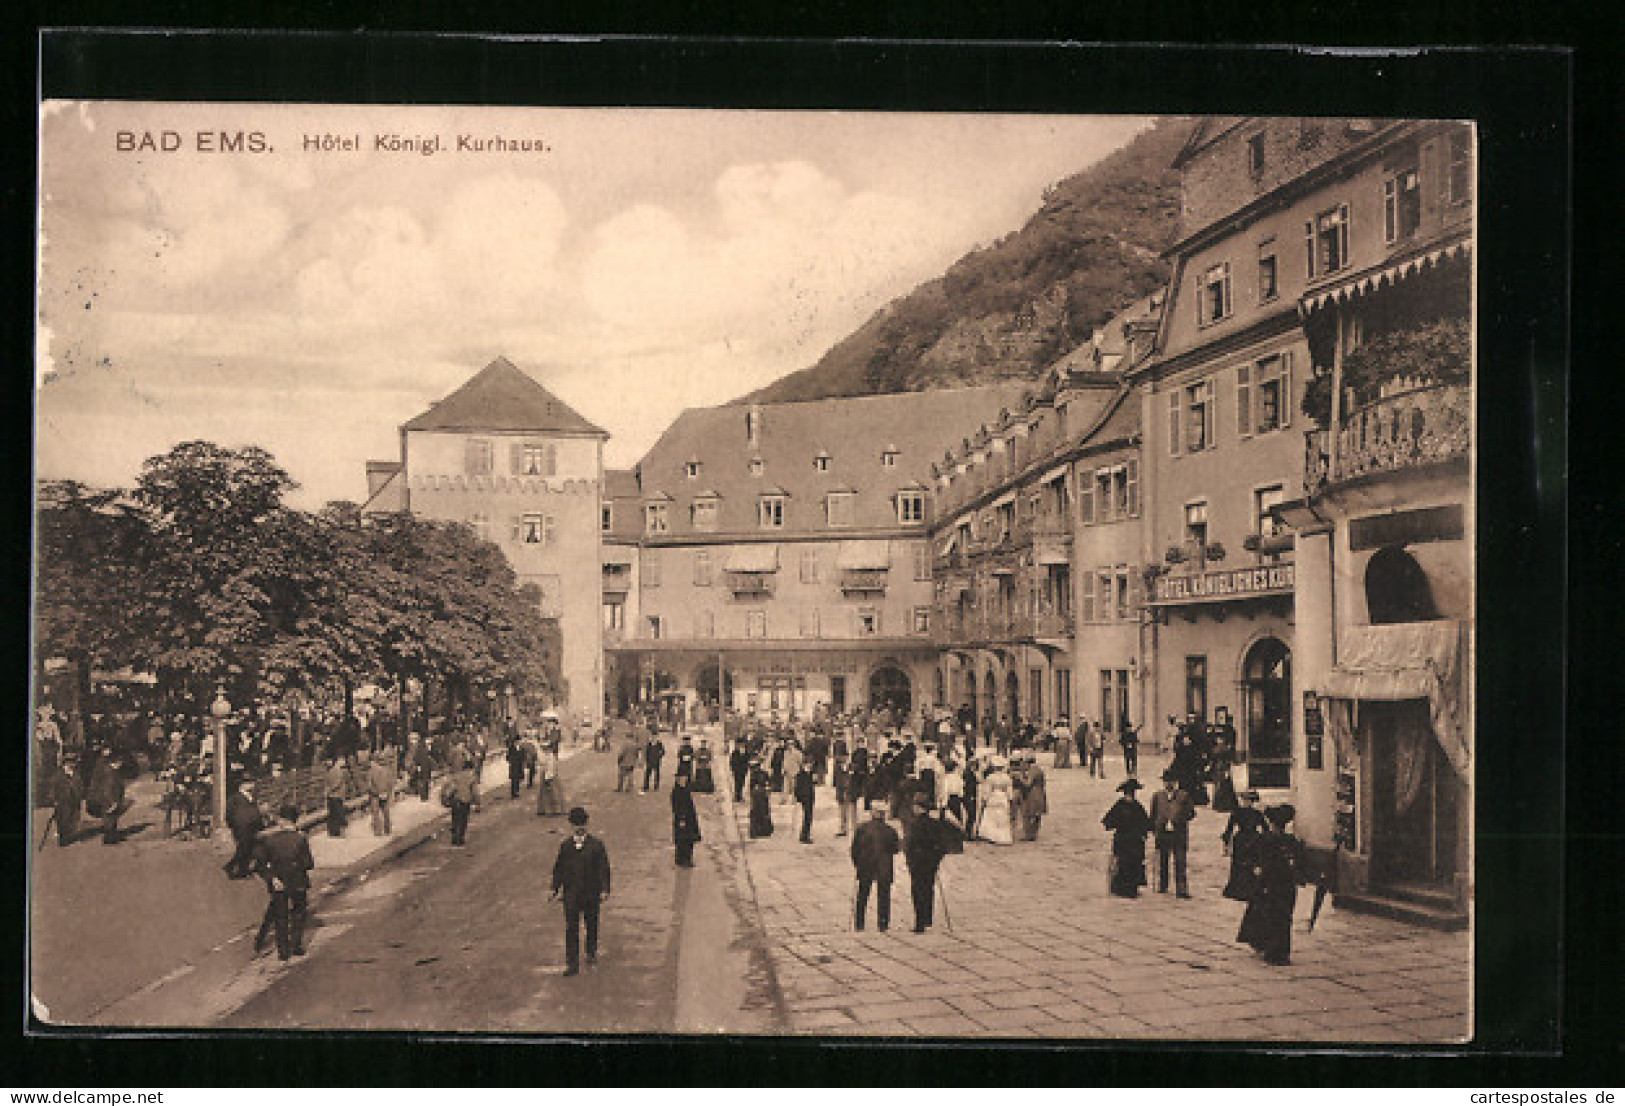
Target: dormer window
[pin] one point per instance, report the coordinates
(756, 466)
(770, 512)
(888, 457)
(821, 462)
(753, 426)
(702, 514)
(840, 508)
(910, 507)
(691, 470)
(656, 519)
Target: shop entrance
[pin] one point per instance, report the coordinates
(889, 690)
(990, 700)
(1415, 796)
(1012, 697)
(706, 686)
(1266, 691)
(837, 694)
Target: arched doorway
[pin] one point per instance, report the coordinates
(990, 697)
(1266, 692)
(1397, 588)
(889, 690)
(941, 689)
(1012, 697)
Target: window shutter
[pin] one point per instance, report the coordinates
(1088, 596)
(516, 458)
(1086, 498)
(517, 527)
(552, 465)
(1133, 468)
(1229, 304)
(1173, 421)
(1207, 417)
(1286, 388)
(1244, 400)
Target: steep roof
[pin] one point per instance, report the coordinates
(502, 396)
(854, 433)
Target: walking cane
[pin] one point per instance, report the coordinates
(852, 915)
(942, 892)
(46, 836)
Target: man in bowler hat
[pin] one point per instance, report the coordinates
(1171, 814)
(581, 874)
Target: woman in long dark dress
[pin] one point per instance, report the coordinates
(1278, 868)
(1241, 835)
(761, 810)
(685, 821)
(704, 782)
(1129, 824)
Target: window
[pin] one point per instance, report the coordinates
(1401, 205)
(1108, 702)
(657, 626)
(1264, 524)
(1063, 692)
(614, 616)
(531, 459)
(922, 561)
(756, 624)
(1459, 171)
(910, 508)
(477, 455)
(922, 620)
(770, 512)
(1196, 523)
(480, 523)
(606, 517)
(756, 466)
(1255, 154)
(753, 426)
(651, 569)
(706, 624)
(702, 569)
(691, 470)
(1199, 416)
(1086, 597)
(868, 622)
(1035, 694)
(809, 622)
(821, 462)
(1214, 299)
(1269, 285)
(656, 519)
(1196, 687)
(1328, 241)
(1123, 603)
(888, 459)
(702, 514)
(1105, 587)
(839, 508)
(536, 529)
(1264, 395)
(809, 566)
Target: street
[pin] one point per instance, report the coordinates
(757, 939)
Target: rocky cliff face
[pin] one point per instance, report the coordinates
(1012, 309)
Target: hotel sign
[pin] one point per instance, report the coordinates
(1230, 583)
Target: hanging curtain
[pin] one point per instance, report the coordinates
(1340, 721)
(1409, 661)
(1410, 759)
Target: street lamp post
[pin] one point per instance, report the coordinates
(219, 709)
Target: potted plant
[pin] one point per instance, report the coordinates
(1175, 555)
(1250, 543)
(1214, 552)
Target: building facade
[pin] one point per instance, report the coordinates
(523, 470)
(784, 559)
(1384, 523)
(1036, 545)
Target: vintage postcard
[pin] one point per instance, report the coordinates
(833, 574)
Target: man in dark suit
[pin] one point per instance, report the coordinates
(581, 873)
(283, 858)
(1171, 814)
(244, 821)
(873, 847)
(653, 754)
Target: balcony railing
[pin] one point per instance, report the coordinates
(990, 627)
(861, 581)
(1416, 428)
(751, 583)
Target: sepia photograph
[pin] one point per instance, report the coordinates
(823, 574)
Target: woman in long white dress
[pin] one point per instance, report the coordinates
(996, 792)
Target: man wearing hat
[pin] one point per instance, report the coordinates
(1171, 814)
(283, 858)
(244, 821)
(581, 875)
(873, 847)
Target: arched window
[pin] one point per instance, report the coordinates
(1397, 588)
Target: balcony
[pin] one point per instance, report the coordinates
(751, 585)
(863, 581)
(1417, 428)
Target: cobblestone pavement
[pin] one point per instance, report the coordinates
(1034, 946)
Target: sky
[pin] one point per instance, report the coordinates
(311, 298)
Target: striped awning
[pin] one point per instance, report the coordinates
(757, 557)
(1392, 274)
